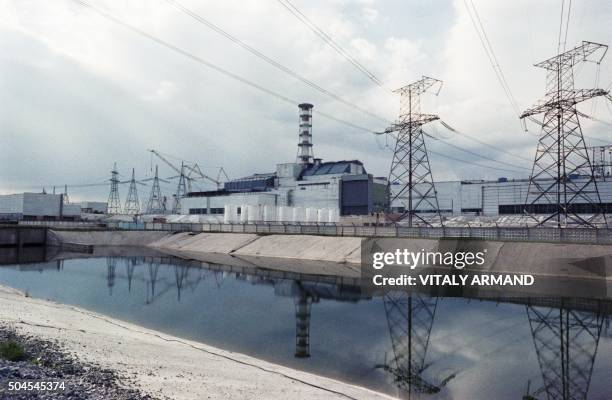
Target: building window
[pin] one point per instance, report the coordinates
(197, 211)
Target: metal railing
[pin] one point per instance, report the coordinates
(514, 234)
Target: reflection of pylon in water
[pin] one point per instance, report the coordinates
(566, 345)
(111, 265)
(410, 319)
(180, 273)
(130, 264)
(302, 303)
(153, 269)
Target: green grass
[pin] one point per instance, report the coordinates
(12, 351)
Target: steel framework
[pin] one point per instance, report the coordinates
(155, 205)
(132, 205)
(410, 165)
(566, 345)
(562, 172)
(410, 319)
(114, 204)
(181, 191)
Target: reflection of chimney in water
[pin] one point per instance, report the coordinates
(111, 264)
(302, 325)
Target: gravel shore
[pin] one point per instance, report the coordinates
(45, 361)
(115, 355)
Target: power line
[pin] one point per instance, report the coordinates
(235, 76)
(207, 63)
(465, 161)
(269, 60)
(569, 12)
(330, 41)
(488, 48)
(473, 163)
(561, 26)
(483, 142)
(480, 155)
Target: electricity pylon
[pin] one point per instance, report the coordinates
(410, 166)
(155, 204)
(132, 205)
(181, 191)
(566, 345)
(113, 206)
(410, 319)
(562, 174)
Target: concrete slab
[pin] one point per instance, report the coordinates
(107, 238)
(224, 243)
(305, 247)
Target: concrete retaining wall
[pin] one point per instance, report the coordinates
(105, 238)
(305, 247)
(578, 260)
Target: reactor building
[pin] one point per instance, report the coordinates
(307, 190)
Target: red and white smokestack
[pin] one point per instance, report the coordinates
(305, 153)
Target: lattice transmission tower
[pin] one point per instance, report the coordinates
(155, 205)
(181, 191)
(410, 165)
(113, 206)
(410, 319)
(132, 205)
(562, 185)
(566, 344)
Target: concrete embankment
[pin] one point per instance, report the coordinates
(303, 247)
(572, 260)
(161, 365)
(105, 238)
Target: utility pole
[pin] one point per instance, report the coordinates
(132, 205)
(155, 203)
(410, 165)
(113, 206)
(562, 173)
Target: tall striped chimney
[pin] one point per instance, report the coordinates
(305, 154)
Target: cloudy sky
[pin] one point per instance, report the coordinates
(79, 92)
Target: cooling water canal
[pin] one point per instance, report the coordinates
(460, 348)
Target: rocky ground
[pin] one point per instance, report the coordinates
(45, 361)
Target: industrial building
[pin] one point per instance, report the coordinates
(308, 190)
(93, 207)
(501, 197)
(37, 207)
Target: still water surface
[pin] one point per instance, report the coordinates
(435, 348)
